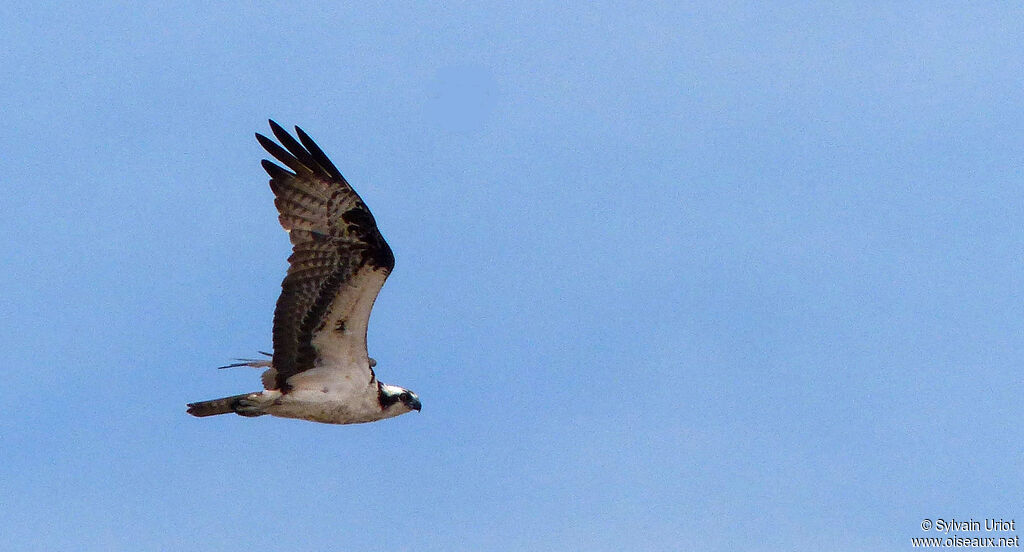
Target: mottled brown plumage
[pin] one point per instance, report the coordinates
(334, 237)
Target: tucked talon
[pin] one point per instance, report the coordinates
(247, 407)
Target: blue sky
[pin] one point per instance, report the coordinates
(720, 276)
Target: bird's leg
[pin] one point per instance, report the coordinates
(255, 404)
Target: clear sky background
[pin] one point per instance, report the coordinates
(717, 276)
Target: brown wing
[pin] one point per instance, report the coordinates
(339, 259)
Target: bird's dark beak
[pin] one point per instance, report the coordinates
(415, 405)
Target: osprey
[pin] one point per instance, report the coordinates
(320, 370)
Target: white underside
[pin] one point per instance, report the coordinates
(324, 407)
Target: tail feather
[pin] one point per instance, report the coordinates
(224, 405)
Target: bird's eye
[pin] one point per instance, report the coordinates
(404, 396)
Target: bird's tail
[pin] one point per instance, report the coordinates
(224, 405)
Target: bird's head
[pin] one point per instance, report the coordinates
(396, 400)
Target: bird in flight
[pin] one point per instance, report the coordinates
(320, 369)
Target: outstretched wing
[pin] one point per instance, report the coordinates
(338, 264)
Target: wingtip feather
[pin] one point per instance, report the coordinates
(275, 171)
(318, 155)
